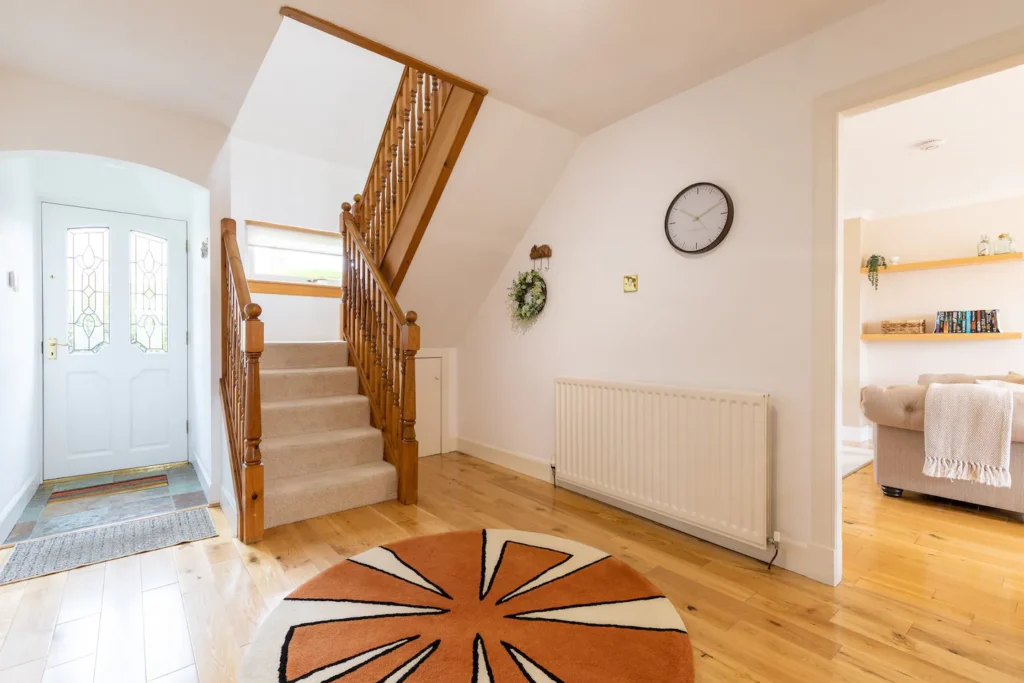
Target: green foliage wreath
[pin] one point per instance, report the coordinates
(527, 296)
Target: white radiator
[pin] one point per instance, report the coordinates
(699, 458)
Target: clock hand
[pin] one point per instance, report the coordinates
(710, 210)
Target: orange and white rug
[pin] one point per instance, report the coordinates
(493, 606)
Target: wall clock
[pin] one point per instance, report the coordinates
(699, 218)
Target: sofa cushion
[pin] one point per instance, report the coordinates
(903, 407)
(959, 378)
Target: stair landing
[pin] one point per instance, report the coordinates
(320, 453)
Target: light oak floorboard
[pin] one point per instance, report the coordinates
(932, 592)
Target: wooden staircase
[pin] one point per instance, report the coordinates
(339, 435)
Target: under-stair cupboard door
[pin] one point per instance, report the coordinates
(115, 363)
(428, 405)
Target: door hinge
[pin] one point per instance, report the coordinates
(186, 245)
(186, 337)
(186, 426)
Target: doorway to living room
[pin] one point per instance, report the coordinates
(931, 190)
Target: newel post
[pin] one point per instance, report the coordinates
(408, 449)
(252, 465)
(347, 220)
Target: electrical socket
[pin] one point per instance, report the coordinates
(777, 537)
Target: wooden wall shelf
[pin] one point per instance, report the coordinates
(951, 337)
(948, 263)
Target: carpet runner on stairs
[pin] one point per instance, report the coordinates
(320, 453)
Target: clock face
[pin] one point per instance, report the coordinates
(699, 218)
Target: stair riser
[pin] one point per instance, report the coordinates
(293, 461)
(314, 502)
(283, 356)
(286, 420)
(325, 382)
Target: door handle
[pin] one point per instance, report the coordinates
(51, 348)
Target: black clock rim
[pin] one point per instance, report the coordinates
(725, 230)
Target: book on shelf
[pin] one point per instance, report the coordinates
(978, 321)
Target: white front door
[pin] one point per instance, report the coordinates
(115, 364)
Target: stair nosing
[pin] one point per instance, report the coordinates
(327, 368)
(316, 401)
(291, 439)
(380, 465)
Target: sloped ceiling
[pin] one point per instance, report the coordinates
(579, 63)
(335, 112)
(884, 173)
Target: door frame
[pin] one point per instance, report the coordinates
(448, 406)
(965, 63)
(42, 303)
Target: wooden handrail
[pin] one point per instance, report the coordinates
(378, 48)
(415, 114)
(242, 345)
(382, 342)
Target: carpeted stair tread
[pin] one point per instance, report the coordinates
(283, 418)
(281, 355)
(304, 453)
(320, 493)
(299, 383)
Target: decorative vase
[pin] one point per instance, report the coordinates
(984, 246)
(1005, 244)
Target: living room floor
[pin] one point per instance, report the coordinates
(932, 592)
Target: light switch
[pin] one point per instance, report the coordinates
(12, 280)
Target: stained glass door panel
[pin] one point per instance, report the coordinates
(115, 299)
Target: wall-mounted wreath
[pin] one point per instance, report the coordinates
(527, 296)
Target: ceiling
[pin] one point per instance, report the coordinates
(883, 173)
(336, 112)
(579, 63)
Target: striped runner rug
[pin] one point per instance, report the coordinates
(140, 484)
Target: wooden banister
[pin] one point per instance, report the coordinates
(416, 111)
(383, 341)
(241, 347)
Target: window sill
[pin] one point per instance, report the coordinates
(294, 288)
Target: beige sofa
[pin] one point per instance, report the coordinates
(898, 413)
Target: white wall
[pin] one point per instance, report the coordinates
(299, 318)
(277, 186)
(270, 184)
(949, 233)
(37, 114)
(215, 473)
(509, 165)
(737, 318)
(21, 389)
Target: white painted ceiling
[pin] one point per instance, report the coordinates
(335, 111)
(579, 63)
(883, 173)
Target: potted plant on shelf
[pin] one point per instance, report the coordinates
(873, 262)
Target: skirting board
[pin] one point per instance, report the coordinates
(204, 479)
(12, 512)
(227, 505)
(812, 562)
(524, 464)
(857, 434)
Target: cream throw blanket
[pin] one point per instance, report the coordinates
(967, 429)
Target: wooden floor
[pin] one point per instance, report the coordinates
(932, 592)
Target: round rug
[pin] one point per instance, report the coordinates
(493, 606)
